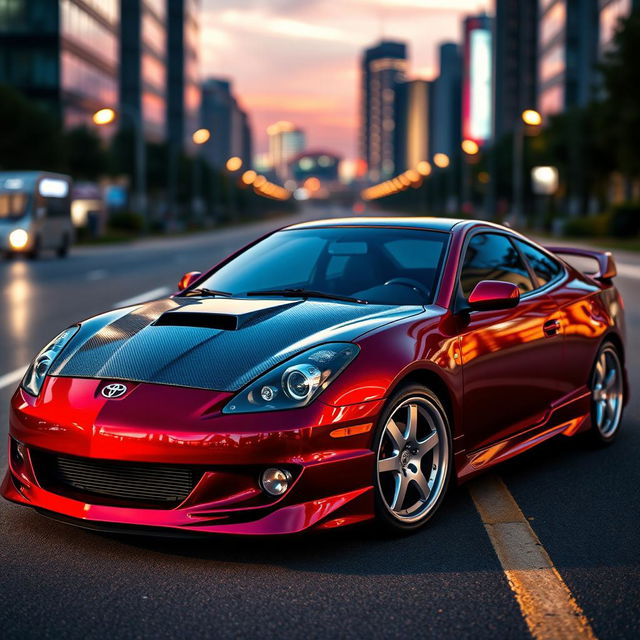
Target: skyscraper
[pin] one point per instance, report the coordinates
(567, 54)
(477, 80)
(228, 123)
(516, 59)
(183, 83)
(285, 142)
(412, 115)
(447, 101)
(383, 67)
(611, 11)
(143, 68)
(63, 55)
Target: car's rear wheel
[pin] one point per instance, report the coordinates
(413, 459)
(607, 395)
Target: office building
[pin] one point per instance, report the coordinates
(285, 142)
(383, 67)
(228, 123)
(446, 102)
(143, 65)
(516, 60)
(62, 55)
(567, 54)
(412, 117)
(477, 80)
(322, 165)
(611, 12)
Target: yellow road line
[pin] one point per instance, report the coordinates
(547, 605)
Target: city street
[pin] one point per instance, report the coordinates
(444, 582)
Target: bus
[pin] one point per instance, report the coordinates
(35, 213)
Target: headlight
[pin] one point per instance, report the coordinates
(295, 383)
(38, 369)
(18, 239)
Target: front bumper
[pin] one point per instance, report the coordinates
(162, 425)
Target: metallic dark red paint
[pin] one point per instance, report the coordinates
(506, 381)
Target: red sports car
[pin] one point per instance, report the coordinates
(329, 373)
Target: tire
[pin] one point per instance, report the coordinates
(34, 253)
(414, 459)
(607, 395)
(63, 250)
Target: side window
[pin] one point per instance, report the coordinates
(491, 256)
(545, 268)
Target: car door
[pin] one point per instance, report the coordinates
(512, 359)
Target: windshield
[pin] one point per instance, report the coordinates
(379, 265)
(13, 205)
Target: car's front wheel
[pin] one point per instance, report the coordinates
(413, 459)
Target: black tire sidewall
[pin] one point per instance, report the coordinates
(383, 517)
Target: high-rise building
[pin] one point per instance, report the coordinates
(143, 68)
(62, 54)
(412, 116)
(383, 67)
(446, 103)
(567, 54)
(285, 142)
(183, 84)
(229, 125)
(611, 11)
(516, 60)
(477, 80)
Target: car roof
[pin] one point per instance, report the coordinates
(432, 224)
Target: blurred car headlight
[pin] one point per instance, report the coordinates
(39, 368)
(18, 239)
(295, 383)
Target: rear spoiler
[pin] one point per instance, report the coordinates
(606, 264)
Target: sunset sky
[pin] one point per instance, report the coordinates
(298, 59)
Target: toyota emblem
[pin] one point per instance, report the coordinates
(114, 390)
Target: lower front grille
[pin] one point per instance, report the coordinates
(111, 482)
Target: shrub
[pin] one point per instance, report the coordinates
(625, 220)
(126, 221)
(589, 227)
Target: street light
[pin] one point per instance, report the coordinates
(470, 147)
(532, 119)
(106, 116)
(234, 163)
(441, 160)
(199, 137)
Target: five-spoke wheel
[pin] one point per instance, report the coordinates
(607, 394)
(413, 458)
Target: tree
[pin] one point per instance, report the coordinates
(85, 155)
(621, 79)
(29, 136)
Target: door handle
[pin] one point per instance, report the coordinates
(552, 327)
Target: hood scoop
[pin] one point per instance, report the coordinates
(226, 314)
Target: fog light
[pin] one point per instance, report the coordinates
(275, 481)
(268, 393)
(18, 239)
(18, 451)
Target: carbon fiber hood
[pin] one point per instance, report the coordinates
(128, 345)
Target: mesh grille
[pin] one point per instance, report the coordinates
(162, 485)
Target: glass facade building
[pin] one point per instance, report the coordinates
(63, 55)
(412, 143)
(611, 11)
(143, 69)
(383, 67)
(567, 54)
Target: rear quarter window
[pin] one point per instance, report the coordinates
(546, 269)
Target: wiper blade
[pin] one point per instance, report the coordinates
(305, 293)
(204, 292)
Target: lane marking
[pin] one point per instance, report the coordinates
(548, 607)
(97, 274)
(12, 378)
(143, 297)
(628, 270)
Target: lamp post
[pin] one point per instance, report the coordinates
(233, 164)
(199, 137)
(532, 119)
(442, 161)
(108, 115)
(470, 149)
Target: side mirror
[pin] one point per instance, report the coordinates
(188, 279)
(492, 295)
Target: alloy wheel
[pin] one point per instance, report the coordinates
(413, 459)
(607, 392)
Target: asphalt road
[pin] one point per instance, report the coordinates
(444, 582)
